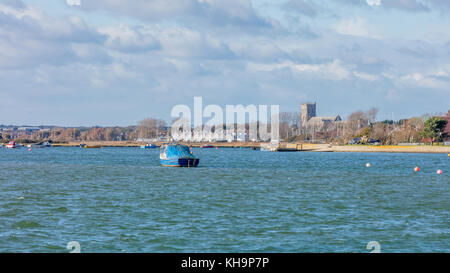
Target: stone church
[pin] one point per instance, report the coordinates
(309, 119)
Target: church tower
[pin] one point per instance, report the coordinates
(308, 110)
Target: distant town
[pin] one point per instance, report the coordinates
(360, 127)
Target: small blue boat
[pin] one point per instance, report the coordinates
(149, 146)
(176, 155)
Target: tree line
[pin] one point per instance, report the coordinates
(359, 124)
(363, 125)
(149, 128)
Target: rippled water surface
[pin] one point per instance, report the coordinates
(239, 200)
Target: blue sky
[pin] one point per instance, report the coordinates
(112, 62)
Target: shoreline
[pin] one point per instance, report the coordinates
(284, 147)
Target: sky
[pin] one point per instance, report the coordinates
(113, 62)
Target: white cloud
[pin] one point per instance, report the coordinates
(210, 12)
(402, 5)
(436, 80)
(125, 38)
(73, 2)
(334, 70)
(308, 8)
(174, 54)
(373, 2)
(406, 5)
(28, 37)
(357, 27)
(365, 76)
(187, 43)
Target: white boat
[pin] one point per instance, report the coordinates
(149, 146)
(40, 145)
(12, 145)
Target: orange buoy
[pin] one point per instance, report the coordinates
(439, 172)
(416, 169)
(368, 165)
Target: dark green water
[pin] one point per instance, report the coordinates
(239, 200)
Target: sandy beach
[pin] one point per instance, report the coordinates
(391, 149)
(294, 146)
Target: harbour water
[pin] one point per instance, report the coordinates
(237, 200)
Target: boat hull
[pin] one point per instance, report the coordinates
(39, 146)
(180, 162)
(92, 147)
(12, 145)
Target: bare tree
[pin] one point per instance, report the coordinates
(289, 124)
(372, 115)
(356, 121)
(150, 127)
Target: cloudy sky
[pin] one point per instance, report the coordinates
(113, 62)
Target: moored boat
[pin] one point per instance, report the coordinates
(176, 155)
(45, 144)
(92, 146)
(207, 146)
(148, 146)
(12, 145)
